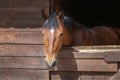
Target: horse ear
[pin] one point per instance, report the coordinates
(61, 15)
(44, 14)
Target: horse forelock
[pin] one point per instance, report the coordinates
(51, 22)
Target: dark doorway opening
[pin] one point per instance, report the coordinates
(92, 12)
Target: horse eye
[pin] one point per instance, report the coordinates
(61, 34)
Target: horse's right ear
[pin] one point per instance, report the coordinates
(44, 14)
(60, 15)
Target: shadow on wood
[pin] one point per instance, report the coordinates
(63, 64)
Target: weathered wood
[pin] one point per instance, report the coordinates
(23, 62)
(71, 75)
(87, 77)
(99, 77)
(108, 75)
(92, 52)
(97, 47)
(70, 53)
(65, 75)
(21, 36)
(85, 65)
(112, 56)
(22, 50)
(22, 74)
(26, 13)
(23, 3)
(116, 76)
(21, 23)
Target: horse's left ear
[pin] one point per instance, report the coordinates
(61, 15)
(44, 14)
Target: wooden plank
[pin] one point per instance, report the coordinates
(69, 52)
(21, 36)
(26, 13)
(23, 62)
(22, 23)
(97, 47)
(112, 57)
(65, 75)
(99, 77)
(85, 65)
(23, 3)
(22, 50)
(87, 77)
(19, 74)
(75, 75)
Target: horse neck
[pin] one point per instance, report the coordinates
(67, 36)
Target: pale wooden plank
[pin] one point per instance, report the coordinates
(97, 47)
(85, 65)
(23, 63)
(21, 36)
(71, 53)
(23, 3)
(22, 50)
(23, 74)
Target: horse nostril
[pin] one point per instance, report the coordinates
(54, 63)
(50, 65)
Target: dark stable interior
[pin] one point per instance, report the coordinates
(93, 12)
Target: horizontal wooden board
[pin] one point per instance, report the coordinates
(21, 36)
(98, 52)
(23, 63)
(8, 50)
(20, 74)
(85, 65)
(26, 13)
(23, 3)
(38, 50)
(79, 76)
(97, 47)
(71, 53)
(21, 23)
(112, 56)
(62, 65)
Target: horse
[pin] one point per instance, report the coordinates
(59, 30)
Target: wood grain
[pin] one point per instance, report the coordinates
(22, 63)
(23, 3)
(21, 23)
(73, 75)
(65, 75)
(22, 50)
(21, 36)
(85, 65)
(24, 13)
(22, 74)
(112, 56)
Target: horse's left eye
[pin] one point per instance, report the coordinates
(61, 34)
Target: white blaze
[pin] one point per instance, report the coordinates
(52, 30)
(51, 39)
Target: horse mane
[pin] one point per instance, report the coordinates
(51, 22)
(69, 22)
